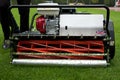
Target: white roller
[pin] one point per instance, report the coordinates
(60, 62)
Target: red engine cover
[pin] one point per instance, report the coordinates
(40, 24)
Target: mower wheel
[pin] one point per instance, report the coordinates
(112, 41)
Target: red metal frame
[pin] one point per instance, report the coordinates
(59, 47)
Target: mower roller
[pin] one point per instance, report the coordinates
(62, 36)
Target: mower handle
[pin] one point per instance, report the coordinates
(70, 6)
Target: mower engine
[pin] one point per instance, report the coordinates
(47, 22)
(65, 38)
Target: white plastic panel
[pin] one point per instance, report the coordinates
(81, 24)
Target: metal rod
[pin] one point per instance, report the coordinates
(60, 62)
(62, 54)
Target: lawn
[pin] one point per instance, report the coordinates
(18, 72)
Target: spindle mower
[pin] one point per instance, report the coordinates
(63, 36)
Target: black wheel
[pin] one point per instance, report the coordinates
(112, 41)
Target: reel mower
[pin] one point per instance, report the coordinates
(62, 36)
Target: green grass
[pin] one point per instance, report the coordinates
(17, 72)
